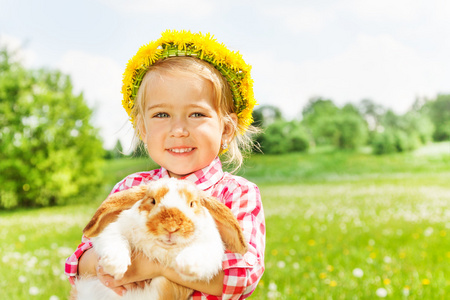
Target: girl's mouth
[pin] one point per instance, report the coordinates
(181, 150)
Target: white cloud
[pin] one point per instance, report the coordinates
(297, 18)
(192, 8)
(442, 10)
(277, 82)
(380, 68)
(16, 46)
(100, 80)
(387, 10)
(375, 67)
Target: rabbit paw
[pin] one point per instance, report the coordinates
(115, 265)
(191, 264)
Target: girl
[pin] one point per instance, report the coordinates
(190, 99)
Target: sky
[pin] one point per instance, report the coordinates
(389, 51)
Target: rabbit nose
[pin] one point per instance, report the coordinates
(172, 229)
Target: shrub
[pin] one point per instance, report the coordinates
(283, 137)
(384, 143)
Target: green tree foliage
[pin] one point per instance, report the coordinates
(329, 125)
(116, 152)
(419, 126)
(400, 133)
(352, 126)
(438, 110)
(264, 115)
(315, 118)
(283, 137)
(49, 152)
(372, 113)
(384, 142)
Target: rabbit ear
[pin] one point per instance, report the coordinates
(110, 209)
(228, 226)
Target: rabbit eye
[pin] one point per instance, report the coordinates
(191, 204)
(153, 201)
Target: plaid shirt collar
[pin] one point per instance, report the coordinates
(204, 178)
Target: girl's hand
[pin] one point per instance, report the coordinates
(115, 285)
(141, 270)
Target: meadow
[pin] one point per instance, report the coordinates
(340, 225)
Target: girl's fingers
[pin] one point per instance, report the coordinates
(141, 284)
(120, 290)
(115, 285)
(130, 286)
(106, 279)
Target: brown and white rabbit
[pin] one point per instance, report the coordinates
(170, 221)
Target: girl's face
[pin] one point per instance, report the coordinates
(182, 129)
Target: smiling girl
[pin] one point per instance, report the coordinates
(190, 100)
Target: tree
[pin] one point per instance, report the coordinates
(419, 125)
(343, 128)
(284, 137)
(116, 152)
(372, 113)
(315, 118)
(49, 152)
(438, 110)
(350, 130)
(400, 133)
(264, 115)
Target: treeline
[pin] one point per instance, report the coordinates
(322, 123)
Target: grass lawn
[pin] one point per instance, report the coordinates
(339, 226)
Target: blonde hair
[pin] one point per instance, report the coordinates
(241, 144)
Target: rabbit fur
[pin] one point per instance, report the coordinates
(168, 220)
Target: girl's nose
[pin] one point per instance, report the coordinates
(179, 129)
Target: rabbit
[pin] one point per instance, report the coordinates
(168, 220)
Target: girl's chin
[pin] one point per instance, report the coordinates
(180, 172)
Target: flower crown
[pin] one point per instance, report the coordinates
(205, 47)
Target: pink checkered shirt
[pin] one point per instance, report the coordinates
(241, 272)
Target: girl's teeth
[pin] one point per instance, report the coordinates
(181, 150)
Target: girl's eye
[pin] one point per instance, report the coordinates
(197, 115)
(161, 115)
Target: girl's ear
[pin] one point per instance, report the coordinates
(228, 226)
(110, 209)
(229, 127)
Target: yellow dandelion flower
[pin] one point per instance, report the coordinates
(311, 242)
(426, 281)
(322, 275)
(333, 283)
(387, 281)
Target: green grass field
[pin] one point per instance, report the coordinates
(339, 226)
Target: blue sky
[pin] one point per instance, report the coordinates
(390, 51)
